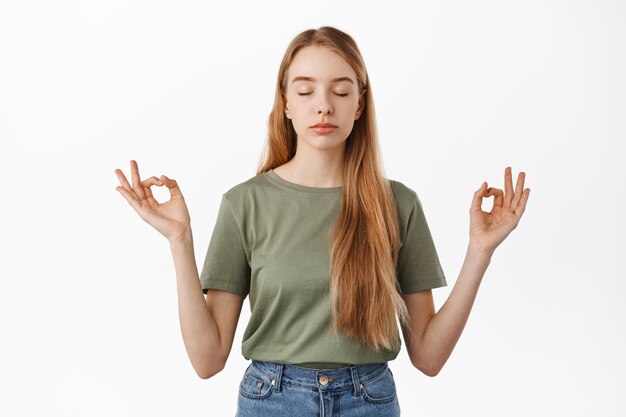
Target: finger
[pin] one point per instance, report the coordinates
(134, 169)
(521, 177)
(508, 187)
(124, 181)
(521, 207)
(498, 196)
(477, 201)
(130, 197)
(147, 183)
(172, 185)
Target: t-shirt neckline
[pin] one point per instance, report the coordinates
(275, 178)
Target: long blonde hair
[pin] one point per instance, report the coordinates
(364, 290)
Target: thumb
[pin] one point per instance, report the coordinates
(477, 201)
(172, 185)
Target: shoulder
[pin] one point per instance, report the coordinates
(244, 187)
(405, 196)
(410, 211)
(244, 193)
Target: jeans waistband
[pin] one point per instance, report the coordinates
(339, 379)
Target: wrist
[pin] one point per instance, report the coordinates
(477, 250)
(182, 239)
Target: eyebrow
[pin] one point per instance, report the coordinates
(334, 80)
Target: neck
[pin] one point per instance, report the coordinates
(314, 167)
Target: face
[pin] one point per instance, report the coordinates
(328, 95)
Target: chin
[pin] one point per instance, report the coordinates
(323, 142)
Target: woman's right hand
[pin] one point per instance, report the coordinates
(171, 218)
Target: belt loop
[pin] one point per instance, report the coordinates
(279, 374)
(355, 380)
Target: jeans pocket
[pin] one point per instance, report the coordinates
(380, 389)
(255, 384)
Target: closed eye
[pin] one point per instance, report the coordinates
(306, 94)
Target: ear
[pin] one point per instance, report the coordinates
(361, 107)
(286, 108)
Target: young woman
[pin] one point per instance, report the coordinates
(329, 250)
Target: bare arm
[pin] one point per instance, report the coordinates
(207, 326)
(434, 336)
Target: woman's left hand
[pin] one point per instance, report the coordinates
(489, 229)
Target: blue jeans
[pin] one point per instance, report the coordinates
(270, 389)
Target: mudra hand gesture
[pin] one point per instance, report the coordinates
(489, 229)
(171, 218)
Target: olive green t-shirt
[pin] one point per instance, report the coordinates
(270, 241)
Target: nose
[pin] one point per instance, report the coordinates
(324, 106)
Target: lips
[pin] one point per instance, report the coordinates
(324, 128)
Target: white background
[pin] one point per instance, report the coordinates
(88, 304)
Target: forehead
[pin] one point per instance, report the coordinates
(316, 63)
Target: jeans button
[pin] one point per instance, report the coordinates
(323, 380)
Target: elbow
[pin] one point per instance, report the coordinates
(429, 369)
(431, 372)
(210, 371)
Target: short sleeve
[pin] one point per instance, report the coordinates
(419, 268)
(226, 265)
